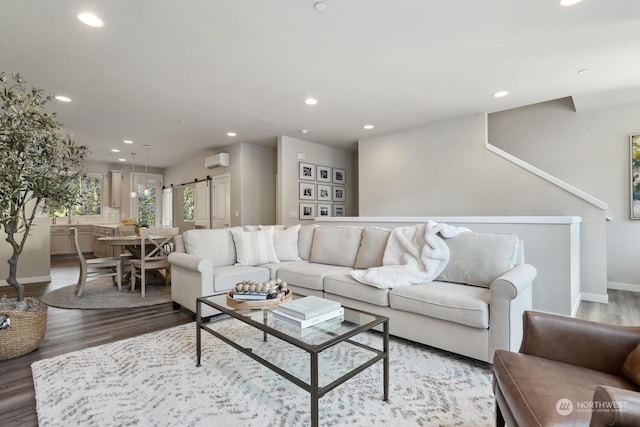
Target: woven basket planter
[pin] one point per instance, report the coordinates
(25, 333)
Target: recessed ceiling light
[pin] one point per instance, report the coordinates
(63, 98)
(122, 160)
(265, 120)
(368, 127)
(128, 141)
(320, 6)
(583, 71)
(304, 131)
(569, 2)
(311, 101)
(501, 94)
(231, 134)
(115, 150)
(90, 19)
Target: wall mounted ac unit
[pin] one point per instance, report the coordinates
(217, 161)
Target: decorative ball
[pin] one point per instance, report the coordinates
(239, 287)
(245, 287)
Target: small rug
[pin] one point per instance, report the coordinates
(152, 380)
(102, 294)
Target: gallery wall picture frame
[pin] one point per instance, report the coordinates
(324, 193)
(339, 194)
(634, 157)
(339, 176)
(339, 210)
(324, 209)
(307, 191)
(323, 173)
(307, 211)
(306, 171)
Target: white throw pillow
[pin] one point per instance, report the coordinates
(254, 247)
(285, 242)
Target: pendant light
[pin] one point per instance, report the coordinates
(146, 166)
(133, 193)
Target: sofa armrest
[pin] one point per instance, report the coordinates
(189, 262)
(592, 345)
(191, 277)
(511, 295)
(615, 407)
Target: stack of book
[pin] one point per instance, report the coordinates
(308, 311)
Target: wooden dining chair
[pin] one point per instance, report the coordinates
(94, 268)
(156, 244)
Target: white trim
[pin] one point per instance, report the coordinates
(603, 299)
(552, 179)
(460, 219)
(27, 280)
(576, 307)
(623, 286)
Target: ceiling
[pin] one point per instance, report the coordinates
(178, 75)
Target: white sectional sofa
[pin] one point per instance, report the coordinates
(473, 307)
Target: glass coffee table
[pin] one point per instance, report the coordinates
(313, 340)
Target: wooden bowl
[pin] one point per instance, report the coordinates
(259, 304)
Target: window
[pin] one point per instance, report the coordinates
(91, 190)
(189, 203)
(146, 207)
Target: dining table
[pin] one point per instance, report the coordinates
(133, 244)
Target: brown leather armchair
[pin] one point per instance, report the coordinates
(569, 372)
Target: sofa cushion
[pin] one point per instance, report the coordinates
(464, 304)
(226, 277)
(336, 245)
(309, 275)
(215, 245)
(305, 240)
(254, 247)
(372, 246)
(479, 258)
(342, 284)
(285, 241)
(274, 267)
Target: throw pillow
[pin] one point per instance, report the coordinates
(371, 252)
(479, 258)
(631, 367)
(285, 242)
(336, 245)
(254, 247)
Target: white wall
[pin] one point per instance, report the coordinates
(443, 169)
(589, 150)
(252, 169)
(289, 150)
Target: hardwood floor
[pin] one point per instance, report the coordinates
(71, 330)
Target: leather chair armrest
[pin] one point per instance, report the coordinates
(592, 345)
(615, 407)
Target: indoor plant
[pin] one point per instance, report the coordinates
(40, 171)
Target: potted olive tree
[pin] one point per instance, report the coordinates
(40, 171)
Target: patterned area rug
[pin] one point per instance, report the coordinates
(152, 380)
(102, 294)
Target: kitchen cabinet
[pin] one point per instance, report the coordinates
(62, 241)
(116, 188)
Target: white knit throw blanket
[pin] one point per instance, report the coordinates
(413, 255)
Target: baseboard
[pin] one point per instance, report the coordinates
(27, 280)
(603, 299)
(623, 286)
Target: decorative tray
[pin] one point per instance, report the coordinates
(257, 304)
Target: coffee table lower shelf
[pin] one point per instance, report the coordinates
(316, 392)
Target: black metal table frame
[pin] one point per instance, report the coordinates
(314, 350)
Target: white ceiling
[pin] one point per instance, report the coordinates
(231, 65)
